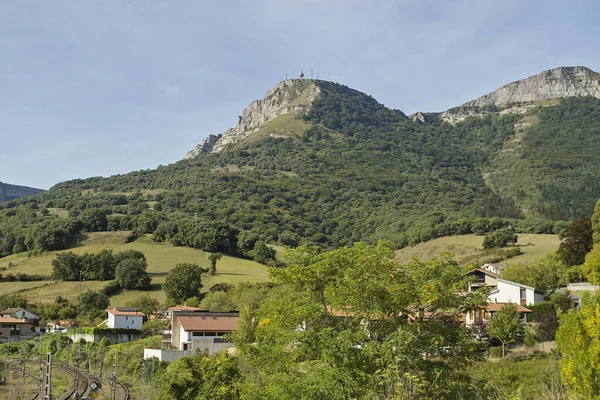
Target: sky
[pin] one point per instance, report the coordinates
(96, 88)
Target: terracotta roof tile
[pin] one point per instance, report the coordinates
(122, 312)
(208, 324)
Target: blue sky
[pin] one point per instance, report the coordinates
(92, 88)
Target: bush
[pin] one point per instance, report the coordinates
(495, 352)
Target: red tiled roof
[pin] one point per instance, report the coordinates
(11, 320)
(128, 313)
(208, 324)
(183, 308)
(493, 307)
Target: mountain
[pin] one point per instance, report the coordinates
(11, 192)
(542, 90)
(275, 115)
(320, 163)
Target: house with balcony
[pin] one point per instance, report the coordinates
(483, 314)
(10, 326)
(502, 290)
(193, 331)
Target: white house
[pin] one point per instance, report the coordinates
(125, 318)
(193, 330)
(495, 268)
(20, 313)
(504, 291)
(205, 330)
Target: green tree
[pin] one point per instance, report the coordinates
(94, 220)
(66, 267)
(92, 304)
(500, 238)
(595, 221)
(184, 281)
(147, 304)
(262, 253)
(505, 325)
(131, 274)
(591, 266)
(338, 326)
(201, 377)
(579, 344)
(546, 274)
(217, 301)
(575, 242)
(212, 259)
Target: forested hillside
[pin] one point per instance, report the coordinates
(360, 171)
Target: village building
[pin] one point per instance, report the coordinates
(20, 313)
(504, 291)
(193, 331)
(10, 326)
(125, 318)
(482, 316)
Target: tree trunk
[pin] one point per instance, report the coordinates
(502, 350)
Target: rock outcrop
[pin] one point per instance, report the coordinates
(520, 96)
(551, 84)
(11, 192)
(205, 147)
(292, 96)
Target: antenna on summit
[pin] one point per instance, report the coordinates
(311, 74)
(286, 76)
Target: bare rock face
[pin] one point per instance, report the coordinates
(418, 117)
(10, 192)
(551, 84)
(205, 147)
(292, 96)
(522, 95)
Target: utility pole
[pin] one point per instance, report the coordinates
(5, 375)
(77, 358)
(113, 378)
(48, 378)
(101, 363)
(143, 381)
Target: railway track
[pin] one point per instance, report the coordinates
(82, 385)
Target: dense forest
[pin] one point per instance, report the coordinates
(362, 172)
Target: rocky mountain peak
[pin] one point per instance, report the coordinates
(551, 84)
(291, 96)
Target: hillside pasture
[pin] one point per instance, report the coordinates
(162, 257)
(469, 248)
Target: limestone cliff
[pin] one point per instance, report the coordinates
(537, 90)
(10, 192)
(551, 84)
(289, 97)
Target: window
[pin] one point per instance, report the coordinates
(197, 333)
(523, 293)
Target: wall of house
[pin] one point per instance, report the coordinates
(212, 345)
(507, 293)
(125, 321)
(166, 355)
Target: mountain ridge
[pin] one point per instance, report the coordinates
(295, 97)
(10, 192)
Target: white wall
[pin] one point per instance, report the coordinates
(511, 293)
(125, 321)
(507, 293)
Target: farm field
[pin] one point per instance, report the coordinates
(162, 257)
(469, 248)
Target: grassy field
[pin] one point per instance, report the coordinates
(469, 248)
(161, 257)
